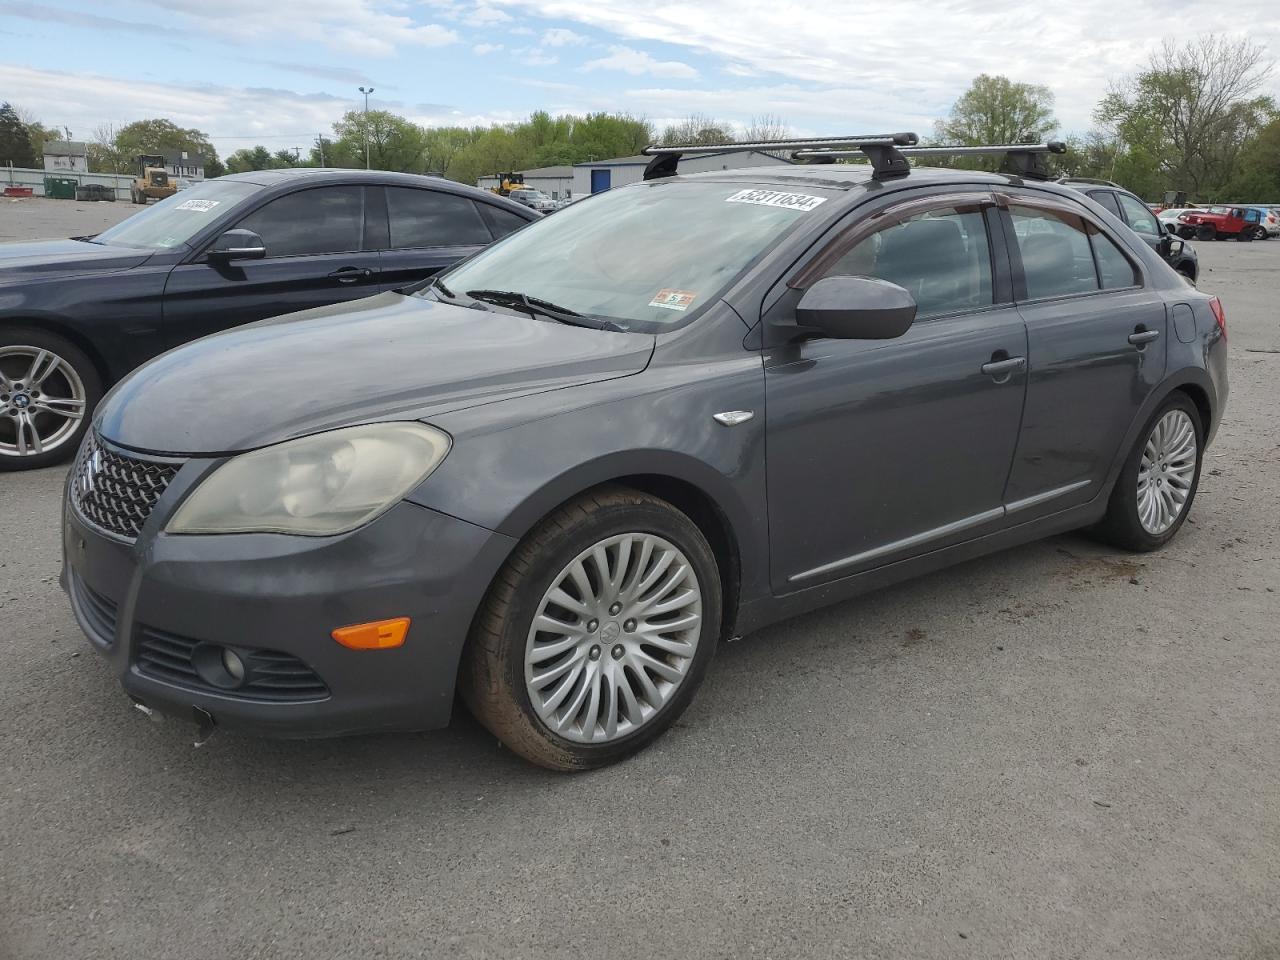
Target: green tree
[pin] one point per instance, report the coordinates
(998, 110)
(246, 159)
(1189, 114)
(393, 142)
(153, 136)
(16, 147)
(1258, 171)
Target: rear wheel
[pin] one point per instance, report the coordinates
(48, 389)
(597, 632)
(1158, 482)
(1260, 233)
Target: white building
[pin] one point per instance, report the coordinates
(66, 156)
(598, 175)
(555, 182)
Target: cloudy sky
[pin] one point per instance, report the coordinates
(280, 71)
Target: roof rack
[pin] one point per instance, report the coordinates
(881, 149)
(1091, 180)
(1021, 159)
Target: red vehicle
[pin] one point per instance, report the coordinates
(1222, 223)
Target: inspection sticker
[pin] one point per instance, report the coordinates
(202, 206)
(673, 299)
(773, 198)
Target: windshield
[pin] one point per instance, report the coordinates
(176, 219)
(644, 256)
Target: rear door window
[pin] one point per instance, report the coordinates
(1108, 200)
(501, 222)
(1057, 258)
(311, 222)
(941, 257)
(432, 218)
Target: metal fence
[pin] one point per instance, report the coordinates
(31, 177)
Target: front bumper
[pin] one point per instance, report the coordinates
(283, 595)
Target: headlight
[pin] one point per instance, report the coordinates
(316, 486)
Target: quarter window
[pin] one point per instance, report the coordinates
(941, 257)
(1140, 218)
(310, 222)
(1114, 267)
(1108, 200)
(430, 218)
(1056, 256)
(502, 222)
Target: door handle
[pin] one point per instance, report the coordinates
(351, 274)
(1002, 370)
(1140, 337)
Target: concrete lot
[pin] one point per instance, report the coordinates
(1060, 751)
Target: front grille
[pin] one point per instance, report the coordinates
(117, 492)
(270, 675)
(96, 611)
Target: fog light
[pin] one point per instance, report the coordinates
(232, 663)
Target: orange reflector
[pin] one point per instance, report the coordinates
(379, 635)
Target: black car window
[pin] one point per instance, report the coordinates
(311, 222)
(1139, 215)
(1114, 267)
(432, 218)
(941, 257)
(1108, 200)
(501, 222)
(1056, 256)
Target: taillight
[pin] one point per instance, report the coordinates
(1220, 315)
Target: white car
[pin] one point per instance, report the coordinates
(1170, 215)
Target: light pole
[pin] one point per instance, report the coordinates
(366, 125)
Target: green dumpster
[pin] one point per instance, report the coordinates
(60, 188)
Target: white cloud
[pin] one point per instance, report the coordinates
(481, 49)
(536, 57)
(559, 37)
(485, 15)
(637, 63)
(919, 54)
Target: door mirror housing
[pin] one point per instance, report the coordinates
(238, 245)
(855, 308)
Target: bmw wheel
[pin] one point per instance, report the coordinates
(48, 389)
(597, 632)
(1158, 482)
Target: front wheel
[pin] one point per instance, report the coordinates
(1245, 236)
(48, 389)
(597, 632)
(1158, 482)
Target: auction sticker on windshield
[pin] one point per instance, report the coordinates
(201, 206)
(774, 198)
(673, 299)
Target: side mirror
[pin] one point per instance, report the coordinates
(856, 308)
(238, 245)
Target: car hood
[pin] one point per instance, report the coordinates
(54, 258)
(388, 357)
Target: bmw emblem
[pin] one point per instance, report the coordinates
(21, 401)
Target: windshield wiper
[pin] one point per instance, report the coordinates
(535, 306)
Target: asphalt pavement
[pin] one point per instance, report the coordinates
(1058, 751)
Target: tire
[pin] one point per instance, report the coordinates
(1186, 233)
(73, 379)
(1187, 273)
(1206, 231)
(1123, 525)
(498, 681)
(1245, 235)
(1260, 233)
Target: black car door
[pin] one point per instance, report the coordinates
(317, 254)
(879, 450)
(1096, 341)
(429, 230)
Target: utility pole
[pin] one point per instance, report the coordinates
(320, 146)
(366, 124)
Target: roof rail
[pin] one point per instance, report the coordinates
(880, 149)
(1093, 180)
(1021, 159)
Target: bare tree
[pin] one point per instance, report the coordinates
(1193, 108)
(698, 128)
(105, 155)
(767, 126)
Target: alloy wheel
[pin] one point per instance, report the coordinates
(1166, 472)
(42, 401)
(613, 638)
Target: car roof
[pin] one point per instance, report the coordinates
(314, 176)
(858, 176)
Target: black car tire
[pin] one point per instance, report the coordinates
(1245, 235)
(1186, 233)
(1260, 233)
(89, 378)
(1206, 231)
(1121, 526)
(492, 679)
